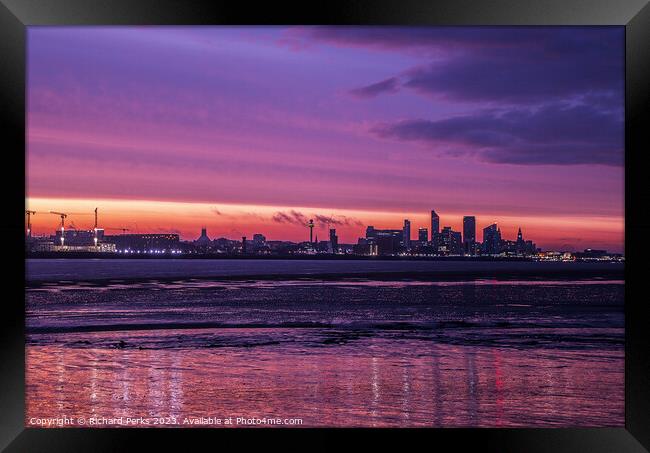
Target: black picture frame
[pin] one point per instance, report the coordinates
(634, 15)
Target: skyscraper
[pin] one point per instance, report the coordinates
(449, 241)
(334, 240)
(435, 226)
(423, 235)
(492, 240)
(469, 234)
(406, 240)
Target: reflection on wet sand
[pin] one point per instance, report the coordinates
(369, 382)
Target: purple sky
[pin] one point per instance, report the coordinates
(495, 122)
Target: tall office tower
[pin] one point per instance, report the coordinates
(406, 232)
(334, 240)
(492, 240)
(243, 245)
(435, 226)
(423, 235)
(469, 234)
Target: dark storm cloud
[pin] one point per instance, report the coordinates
(518, 79)
(385, 86)
(552, 134)
(556, 93)
(551, 42)
(498, 64)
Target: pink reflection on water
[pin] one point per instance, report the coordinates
(372, 382)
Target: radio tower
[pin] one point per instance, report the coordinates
(310, 224)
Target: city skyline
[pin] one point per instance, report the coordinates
(253, 124)
(298, 222)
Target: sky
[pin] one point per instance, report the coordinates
(247, 130)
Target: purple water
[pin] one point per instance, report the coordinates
(343, 351)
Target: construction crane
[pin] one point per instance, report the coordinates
(96, 239)
(29, 222)
(63, 216)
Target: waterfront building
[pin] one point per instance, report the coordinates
(469, 234)
(146, 243)
(435, 226)
(492, 240)
(423, 235)
(406, 234)
(334, 241)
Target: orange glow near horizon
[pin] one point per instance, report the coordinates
(285, 222)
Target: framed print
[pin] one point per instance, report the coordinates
(362, 217)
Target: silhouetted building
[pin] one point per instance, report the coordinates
(243, 245)
(423, 235)
(203, 241)
(145, 243)
(388, 244)
(76, 237)
(492, 240)
(593, 253)
(73, 240)
(372, 233)
(435, 226)
(224, 245)
(469, 234)
(456, 243)
(334, 241)
(531, 249)
(259, 240)
(520, 244)
(323, 246)
(365, 247)
(509, 247)
(406, 234)
(449, 242)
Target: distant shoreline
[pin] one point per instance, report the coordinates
(569, 273)
(321, 256)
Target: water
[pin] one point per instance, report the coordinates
(335, 351)
(54, 270)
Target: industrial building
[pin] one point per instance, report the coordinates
(145, 243)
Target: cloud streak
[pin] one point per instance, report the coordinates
(291, 217)
(390, 85)
(298, 218)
